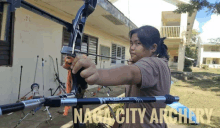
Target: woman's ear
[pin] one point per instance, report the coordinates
(154, 48)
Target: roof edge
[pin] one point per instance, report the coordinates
(108, 6)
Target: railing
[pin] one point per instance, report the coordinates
(170, 31)
(213, 65)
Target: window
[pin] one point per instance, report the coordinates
(215, 61)
(208, 62)
(6, 47)
(105, 51)
(204, 61)
(215, 48)
(119, 53)
(89, 45)
(175, 59)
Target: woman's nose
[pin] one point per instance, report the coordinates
(133, 47)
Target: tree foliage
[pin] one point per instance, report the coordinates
(215, 41)
(198, 5)
(194, 36)
(191, 51)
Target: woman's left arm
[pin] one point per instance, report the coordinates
(123, 75)
(127, 74)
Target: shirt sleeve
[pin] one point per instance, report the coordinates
(149, 72)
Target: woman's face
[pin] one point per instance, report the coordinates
(138, 51)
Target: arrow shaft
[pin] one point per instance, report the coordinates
(100, 56)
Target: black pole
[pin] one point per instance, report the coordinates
(57, 68)
(20, 83)
(35, 69)
(43, 74)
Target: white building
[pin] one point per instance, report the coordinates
(209, 54)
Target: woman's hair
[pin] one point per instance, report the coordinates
(149, 35)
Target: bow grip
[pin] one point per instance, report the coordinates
(78, 80)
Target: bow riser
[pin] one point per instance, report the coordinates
(79, 84)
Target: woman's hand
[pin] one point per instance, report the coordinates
(90, 73)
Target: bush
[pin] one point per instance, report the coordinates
(217, 78)
(186, 69)
(206, 67)
(187, 63)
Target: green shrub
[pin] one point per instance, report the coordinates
(187, 63)
(186, 69)
(217, 78)
(206, 67)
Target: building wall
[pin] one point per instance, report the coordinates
(209, 48)
(35, 35)
(211, 64)
(208, 52)
(211, 61)
(211, 54)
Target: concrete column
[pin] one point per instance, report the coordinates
(201, 56)
(183, 25)
(181, 57)
(181, 52)
(170, 61)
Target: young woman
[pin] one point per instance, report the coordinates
(147, 74)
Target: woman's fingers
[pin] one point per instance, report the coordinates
(90, 72)
(91, 80)
(81, 62)
(69, 61)
(78, 57)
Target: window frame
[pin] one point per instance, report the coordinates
(122, 57)
(9, 44)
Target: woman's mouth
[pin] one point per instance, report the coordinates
(132, 54)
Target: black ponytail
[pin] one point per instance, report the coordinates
(162, 49)
(149, 35)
